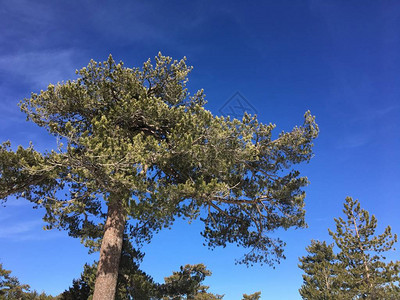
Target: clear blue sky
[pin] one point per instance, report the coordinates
(339, 59)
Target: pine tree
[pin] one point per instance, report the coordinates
(320, 267)
(364, 272)
(359, 270)
(10, 287)
(254, 296)
(187, 284)
(132, 282)
(80, 290)
(135, 284)
(135, 142)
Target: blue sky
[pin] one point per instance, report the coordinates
(339, 59)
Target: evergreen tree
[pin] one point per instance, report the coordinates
(133, 140)
(359, 270)
(187, 284)
(320, 267)
(80, 290)
(183, 284)
(132, 282)
(10, 287)
(254, 296)
(364, 272)
(34, 295)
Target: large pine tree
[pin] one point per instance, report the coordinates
(359, 270)
(136, 151)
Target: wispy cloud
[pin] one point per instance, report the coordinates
(39, 68)
(24, 10)
(12, 230)
(354, 141)
(24, 230)
(364, 127)
(373, 114)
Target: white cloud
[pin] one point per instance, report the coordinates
(354, 140)
(39, 68)
(10, 229)
(379, 113)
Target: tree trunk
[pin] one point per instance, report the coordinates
(110, 252)
(365, 263)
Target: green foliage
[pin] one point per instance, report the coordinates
(135, 284)
(254, 296)
(12, 289)
(36, 296)
(359, 270)
(80, 290)
(137, 138)
(186, 284)
(132, 282)
(320, 280)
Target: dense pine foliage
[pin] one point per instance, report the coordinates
(359, 268)
(133, 141)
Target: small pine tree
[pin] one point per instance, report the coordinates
(132, 282)
(365, 274)
(80, 290)
(320, 267)
(10, 287)
(187, 284)
(254, 296)
(359, 270)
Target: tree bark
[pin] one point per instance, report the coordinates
(110, 252)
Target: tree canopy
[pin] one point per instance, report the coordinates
(320, 279)
(359, 270)
(12, 289)
(187, 283)
(133, 283)
(254, 296)
(133, 141)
